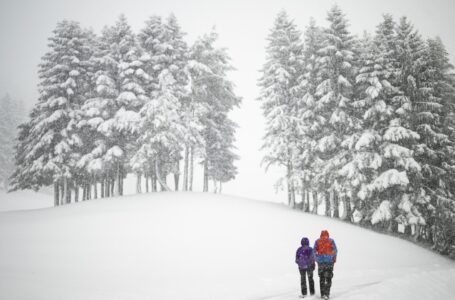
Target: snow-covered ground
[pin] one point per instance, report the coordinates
(25, 200)
(199, 246)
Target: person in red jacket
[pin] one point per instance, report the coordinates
(326, 255)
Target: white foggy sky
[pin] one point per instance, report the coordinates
(242, 26)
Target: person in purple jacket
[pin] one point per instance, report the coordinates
(305, 259)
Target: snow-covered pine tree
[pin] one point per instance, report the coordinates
(307, 121)
(220, 152)
(167, 68)
(84, 176)
(334, 107)
(444, 238)
(279, 95)
(113, 112)
(381, 158)
(152, 40)
(50, 141)
(434, 111)
(362, 156)
(409, 53)
(212, 98)
(8, 124)
(178, 55)
(449, 130)
(161, 128)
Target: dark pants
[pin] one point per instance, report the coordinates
(303, 273)
(325, 272)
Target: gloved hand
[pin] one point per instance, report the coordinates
(334, 259)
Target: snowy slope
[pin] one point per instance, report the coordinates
(25, 200)
(199, 246)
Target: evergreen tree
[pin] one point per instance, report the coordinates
(50, 140)
(152, 40)
(177, 66)
(386, 165)
(212, 98)
(308, 123)
(334, 107)
(410, 52)
(8, 122)
(435, 151)
(119, 95)
(363, 158)
(219, 151)
(163, 42)
(280, 92)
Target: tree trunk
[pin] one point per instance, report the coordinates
(89, 189)
(139, 183)
(95, 188)
(307, 192)
(102, 187)
(112, 186)
(164, 180)
(117, 179)
(56, 194)
(327, 204)
(206, 177)
(293, 195)
(160, 180)
(336, 212)
(177, 176)
(304, 208)
(68, 192)
(65, 191)
(146, 183)
(76, 192)
(191, 171)
(61, 193)
(417, 232)
(185, 169)
(289, 191)
(349, 210)
(122, 173)
(221, 187)
(84, 192)
(315, 202)
(107, 187)
(154, 185)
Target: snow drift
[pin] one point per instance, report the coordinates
(199, 246)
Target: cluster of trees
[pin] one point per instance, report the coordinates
(364, 125)
(124, 103)
(12, 113)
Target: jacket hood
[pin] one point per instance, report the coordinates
(324, 234)
(305, 242)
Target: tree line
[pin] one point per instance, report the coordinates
(364, 126)
(12, 113)
(120, 103)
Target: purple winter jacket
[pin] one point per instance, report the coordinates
(304, 256)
